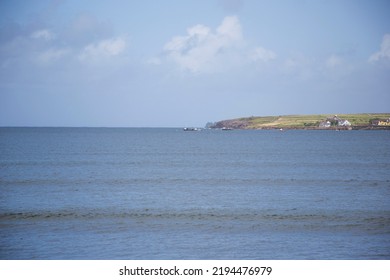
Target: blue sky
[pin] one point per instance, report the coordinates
(184, 63)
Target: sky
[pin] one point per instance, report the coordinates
(174, 63)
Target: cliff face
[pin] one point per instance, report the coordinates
(234, 124)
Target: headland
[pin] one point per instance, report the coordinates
(366, 121)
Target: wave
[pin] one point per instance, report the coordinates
(195, 181)
(379, 220)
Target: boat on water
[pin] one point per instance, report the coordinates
(227, 128)
(191, 129)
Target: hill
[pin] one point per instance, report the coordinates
(357, 121)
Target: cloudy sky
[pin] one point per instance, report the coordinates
(179, 63)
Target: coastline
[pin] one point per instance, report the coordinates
(366, 121)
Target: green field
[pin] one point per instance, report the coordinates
(298, 121)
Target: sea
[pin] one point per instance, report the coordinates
(165, 193)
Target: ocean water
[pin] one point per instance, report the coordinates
(140, 193)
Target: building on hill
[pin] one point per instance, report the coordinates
(335, 121)
(325, 124)
(380, 122)
(344, 123)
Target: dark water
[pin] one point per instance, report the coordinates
(100, 193)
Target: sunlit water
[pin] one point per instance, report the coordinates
(99, 193)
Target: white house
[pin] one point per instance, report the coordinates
(334, 120)
(325, 124)
(344, 123)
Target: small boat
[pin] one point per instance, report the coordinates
(227, 128)
(191, 129)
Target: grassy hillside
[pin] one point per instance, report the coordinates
(297, 121)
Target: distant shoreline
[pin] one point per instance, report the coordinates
(366, 121)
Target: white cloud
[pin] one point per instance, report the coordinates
(262, 54)
(384, 52)
(230, 29)
(44, 34)
(196, 36)
(201, 49)
(103, 49)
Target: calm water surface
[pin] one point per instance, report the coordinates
(128, 193)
